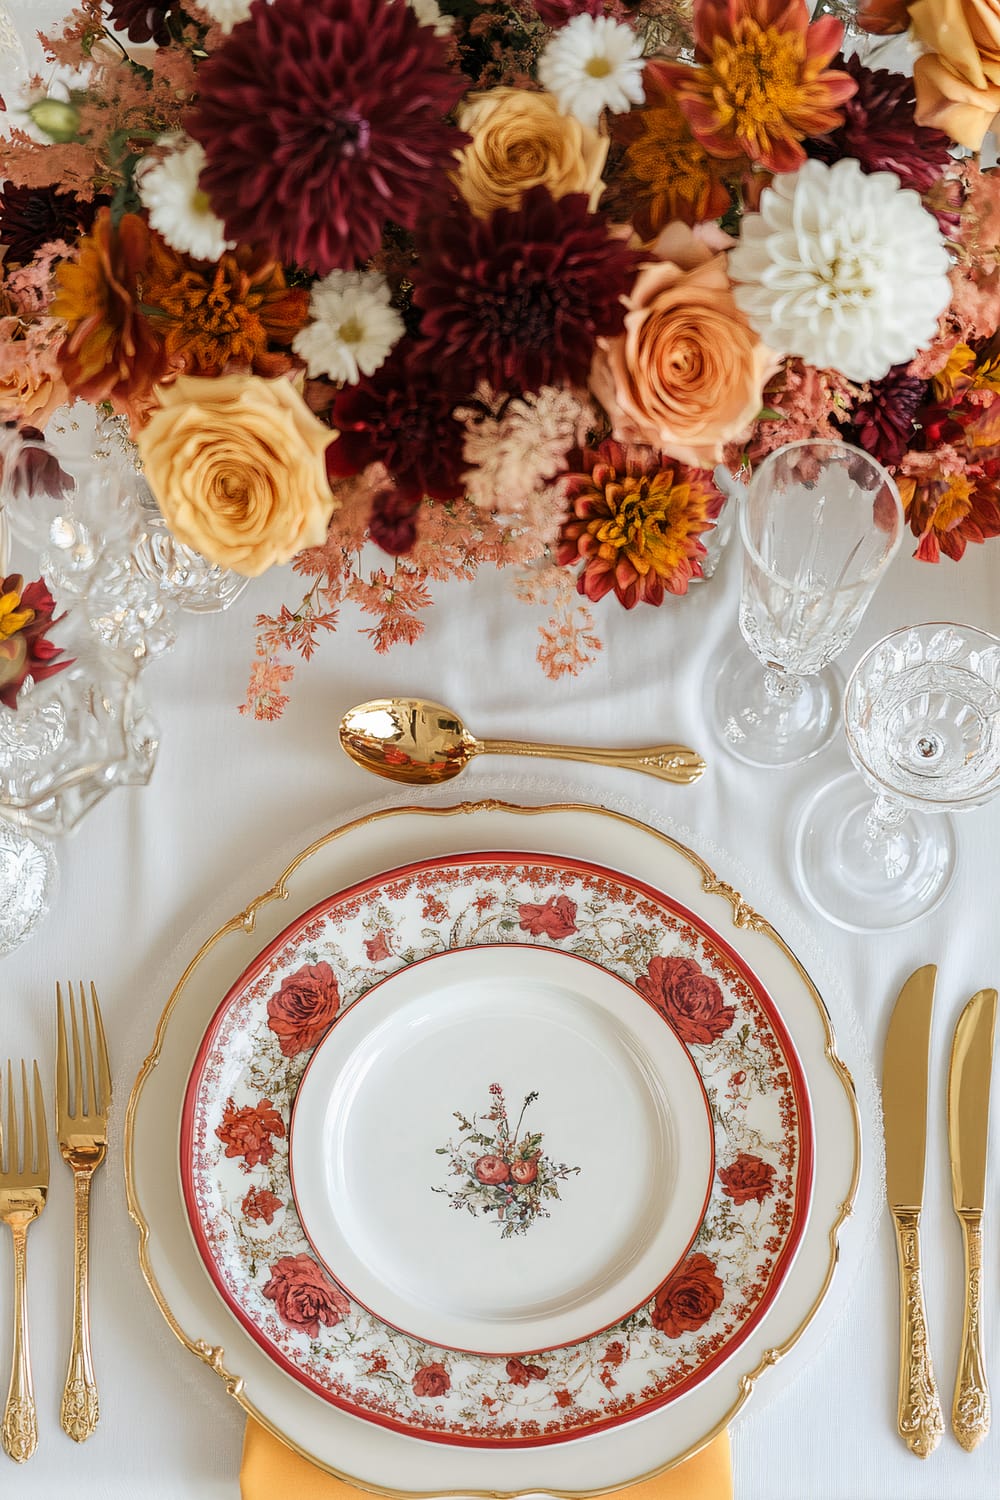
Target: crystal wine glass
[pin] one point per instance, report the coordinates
(922, 715)
(820, 522)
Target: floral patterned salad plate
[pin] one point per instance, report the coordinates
(541, 1031)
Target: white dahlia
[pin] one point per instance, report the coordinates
(177, 207)
(226, 13)
(352, 327)
(844, 268)
(591, 64)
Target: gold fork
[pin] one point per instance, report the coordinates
(24, 1183)
(82, 1127)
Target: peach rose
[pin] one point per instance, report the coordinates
(688, 373)
(236, 464)
(520, 140)
(957, 79)
(31, 382)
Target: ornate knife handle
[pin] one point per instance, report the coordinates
(19, 1432)
(80, 1409)
(970, 1411)
(920, 1421)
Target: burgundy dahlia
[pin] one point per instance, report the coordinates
(320, 120)
(884, 424)
(33, 217)
(401, 416)
(145, 20)
(880, 132)
(392, 523)
(556, 13)
(520, 298)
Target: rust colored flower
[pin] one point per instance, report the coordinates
(431, 1380)
(112, 352)
(518, 1373)
(248, 1131)
(556, 919)
(260, 1203)
(665, 173)
(304, 1296)
(224, 315)
(635, 520)
(690, 999)
(304, 1008)
(378, 947)
(688, 1298)
(747, 1179)
(951, 510)
(760, 84)
(26, 617)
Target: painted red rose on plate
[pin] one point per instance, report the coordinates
(304, 1008)
(690, 999)
(304, 1296)
(688, 1298)
(377, 947)
(431, 1380)
(248, 1131)
(556, 919)
(260, 1203)
(518, 1373)
(747, 1178)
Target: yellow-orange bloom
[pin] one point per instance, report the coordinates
(519, 139)
(760, 84)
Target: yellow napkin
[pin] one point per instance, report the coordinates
(270, 1471)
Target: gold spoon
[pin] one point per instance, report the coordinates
(422, 743)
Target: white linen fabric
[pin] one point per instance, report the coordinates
(152, 871)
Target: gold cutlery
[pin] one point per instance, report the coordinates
(24, 1184)
(968, 1130)
(904, 1104)
(423, 743)
(82, 1106)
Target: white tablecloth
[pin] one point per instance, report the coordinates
(146, 866)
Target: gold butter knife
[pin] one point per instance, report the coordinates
(904, 1104)
(968, 1130)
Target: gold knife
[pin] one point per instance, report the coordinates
(904, 1104)
(968, 1129)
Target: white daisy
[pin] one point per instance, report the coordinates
(429, 13)
(352, 327)
(178, 208)
(593, 63)
(227, 13)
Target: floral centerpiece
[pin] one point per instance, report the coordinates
(503, 282)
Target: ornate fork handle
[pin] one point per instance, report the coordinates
(920, 1420)
(80, 1411)
(20, 1424)
(970, 1412)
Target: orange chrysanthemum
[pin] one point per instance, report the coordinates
(949, 511)
(112, 352)
(760, 84)
(635, 520)
(230, 314)
(666, 174)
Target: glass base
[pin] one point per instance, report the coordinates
(763, 730)
(866, 886)
(28, 878)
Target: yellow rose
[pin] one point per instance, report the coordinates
(520, 140)
(236, 464)
(957, 79)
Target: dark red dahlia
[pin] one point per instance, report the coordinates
(393, 521)
(884, 425)
(520, 298)
(401, 416)
(33, 217)
(880, 132)
(320, 120)
(558, 12)
(145, 20)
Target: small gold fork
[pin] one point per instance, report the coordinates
(24, 1183)
(82, 1127)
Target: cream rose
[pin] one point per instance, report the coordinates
(236, 464)
(520, 140)
(688, 373)
(957, 80)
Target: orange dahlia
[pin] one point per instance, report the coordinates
(635, 521)
(665, 173)
(215, 316)
(112, 352)
(760, 84)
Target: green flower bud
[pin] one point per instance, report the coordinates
(56, 119)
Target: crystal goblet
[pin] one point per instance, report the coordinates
(922, 716)
(820, 522)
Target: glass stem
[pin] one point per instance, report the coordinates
(884, 816)
(783, 687)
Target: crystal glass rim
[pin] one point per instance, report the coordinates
(829, 444)
(957, 803)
